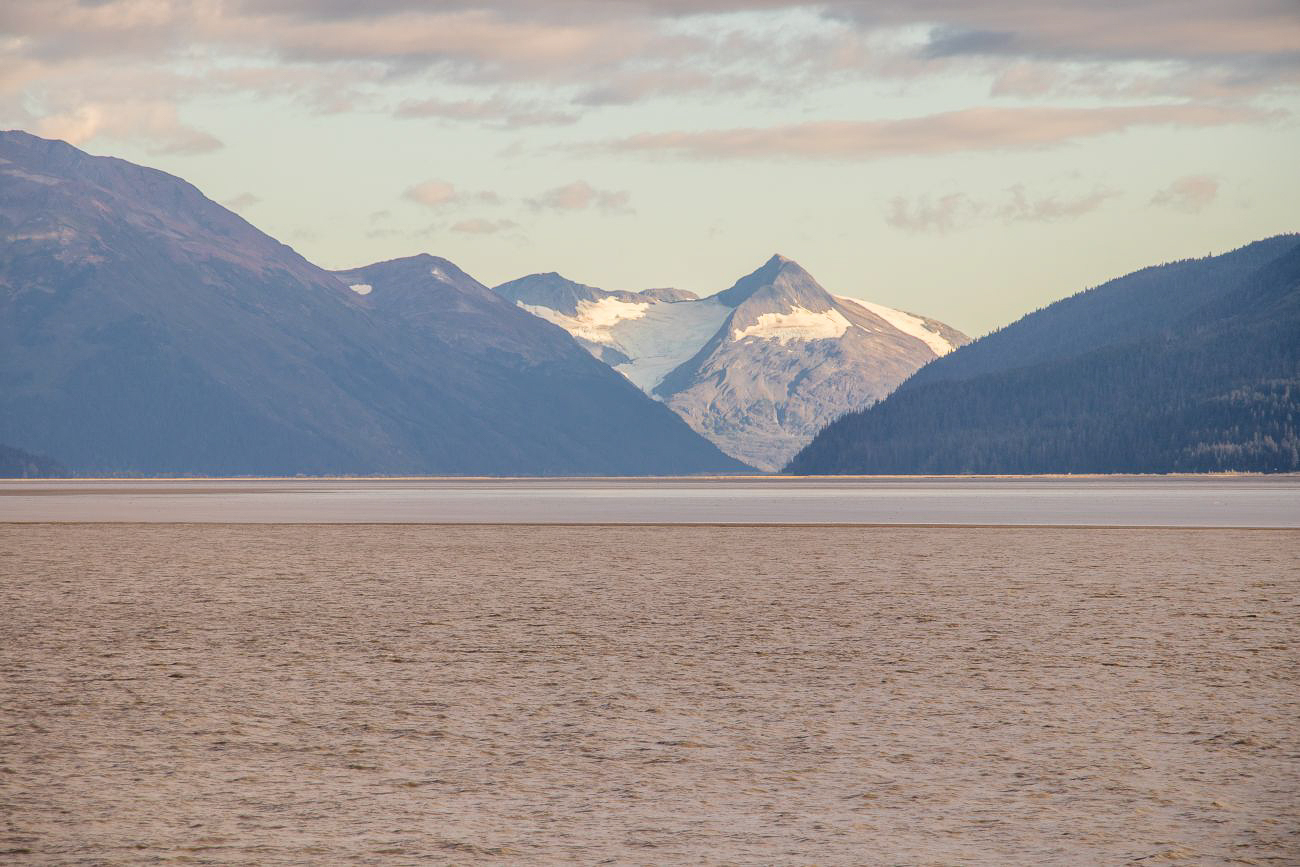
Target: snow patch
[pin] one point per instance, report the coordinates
(798, 324)
(913, 326)
(593, 320)
(666, 337)
(362, 288)
(657, 335)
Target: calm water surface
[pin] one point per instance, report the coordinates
(1177, 501)
(244, 694)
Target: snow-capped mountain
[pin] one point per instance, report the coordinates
(758, 368)
(586, 312)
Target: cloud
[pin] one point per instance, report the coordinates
(973, 129)
(639, 46)
(1020, 208)
(1189, 194)
(496, 111)
(437, 194)
(1085, 30)
(431, 193)
(324, 90)
(950, 42)
(468, 43)
(157, 124)
(242, 201)
(955, 211)
(479, 226)
(61, 60)
(634, 86)
(579, 196)
(1207, 82)
(1073, 28)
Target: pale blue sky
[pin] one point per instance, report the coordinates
(965, 161)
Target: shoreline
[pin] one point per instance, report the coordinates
(1136, 502)
(752, 477)
(698, 525)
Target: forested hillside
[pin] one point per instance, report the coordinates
(1193, 366)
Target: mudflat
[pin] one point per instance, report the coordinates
(309, 694)
(1247, 501)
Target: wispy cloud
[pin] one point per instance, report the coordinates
(1020, 207)
(1188, 194)
(495, 111)
(579, 196)
(83, 69)
(1083, 30)
(439, 193)
(636, 49)
(942, 215)
(480, 226)
(974, 129)
(432, 194)
(157, 124)
(242, 201)
(954, 211)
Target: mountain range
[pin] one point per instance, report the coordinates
(758, 368)
(145, 329)
(1189, 366)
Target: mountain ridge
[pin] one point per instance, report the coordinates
(146, 329)
(1098, 316)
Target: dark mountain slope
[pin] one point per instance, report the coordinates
(1216, 388)
(146, 329)
(436, 307)
(1120, 310)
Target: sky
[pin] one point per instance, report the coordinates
(966, 161)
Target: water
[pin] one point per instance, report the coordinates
(324, 694)
(1178, 501)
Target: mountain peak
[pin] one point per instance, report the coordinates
(417, 260)
(778, 276)
(550, 290)
(415, 274)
